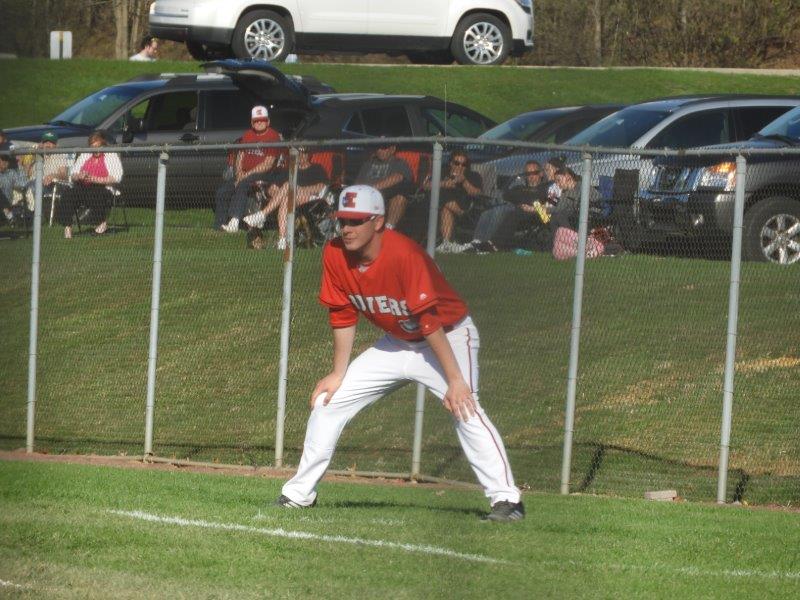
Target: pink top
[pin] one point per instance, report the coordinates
(95, 166)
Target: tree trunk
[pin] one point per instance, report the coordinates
(597, 19)
(121, 41)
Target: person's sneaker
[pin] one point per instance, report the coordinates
(68, 232)
(232, 226)
(505, 511)
(257, 219)
(102, 228)
(459, 248)
(288, 503)
(447, 247)
(281, 243)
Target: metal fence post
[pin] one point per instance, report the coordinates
(733, 321)
(286, 313)
(433, 219)
(575, 335)
(158, 251)
(34, 322)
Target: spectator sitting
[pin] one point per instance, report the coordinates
(55, 167)
(148, 50)
(11, 180)
(92, 175)
(391, 176)
(552, 166)
(457, 188)
(250, 166)
(524, 198)
(311, 181)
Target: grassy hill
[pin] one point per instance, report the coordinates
(35, 90)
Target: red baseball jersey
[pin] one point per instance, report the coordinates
(392, 292)
(255, 156)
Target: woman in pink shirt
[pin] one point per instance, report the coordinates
(92, 176)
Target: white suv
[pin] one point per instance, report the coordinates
(476, 32)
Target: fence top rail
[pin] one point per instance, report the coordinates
(444, 141)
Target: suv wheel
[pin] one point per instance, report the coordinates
(772, 231)
(263, 34)
(481, 39)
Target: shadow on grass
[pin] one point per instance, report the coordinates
(381, 505)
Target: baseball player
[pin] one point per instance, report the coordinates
(430, 338)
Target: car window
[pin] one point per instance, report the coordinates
(453, 123)
(94, 109)
(354, 124)
(175, 111)
(752, 118)
(787, 125)
(522, 127)
(569, 129)
(390, 121)
(620, 129)
(702, 128)
(227, 109)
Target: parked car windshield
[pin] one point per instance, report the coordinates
(787, 125)
(621, 129)
(521, 128)
(94, 109)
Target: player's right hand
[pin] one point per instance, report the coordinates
(327, 385)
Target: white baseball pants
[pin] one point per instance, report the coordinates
(388, 365)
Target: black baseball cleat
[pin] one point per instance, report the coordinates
(288, 503)
(505, 511)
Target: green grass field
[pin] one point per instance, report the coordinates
(30, 96)
(69, 531)
(650, 378)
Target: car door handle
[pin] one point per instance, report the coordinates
(189, 138)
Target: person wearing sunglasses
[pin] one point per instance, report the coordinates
(460, 185)
(523, 200)
(429, 339)
(91, 176)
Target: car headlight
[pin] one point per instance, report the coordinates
(721, 176)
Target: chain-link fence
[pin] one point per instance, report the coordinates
(182, 318)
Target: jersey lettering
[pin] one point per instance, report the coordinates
(379, 304)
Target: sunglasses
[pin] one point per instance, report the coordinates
(342, 222)
(459, 163)
(533, 172)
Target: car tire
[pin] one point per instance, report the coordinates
(771, 231)
(434, 57)
(263, 34)
(481, 39)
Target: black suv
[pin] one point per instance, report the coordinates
(214, 107)
(694, 196)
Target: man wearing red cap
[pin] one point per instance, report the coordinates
(430, 339)
(251, 165)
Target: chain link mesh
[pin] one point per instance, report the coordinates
(653, 329)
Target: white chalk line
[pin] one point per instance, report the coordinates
(424, 549)
(689, 571)
(11, 584)
(303, 535)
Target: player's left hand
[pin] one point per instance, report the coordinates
(459, 401)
